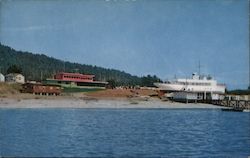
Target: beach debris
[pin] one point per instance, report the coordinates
(133, 102)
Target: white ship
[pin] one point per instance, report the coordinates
(204, 87)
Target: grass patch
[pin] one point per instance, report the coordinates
(9, 88)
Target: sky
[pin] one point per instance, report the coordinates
(166, 38)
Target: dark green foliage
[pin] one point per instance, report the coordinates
(111, 83)
(39, 67)
(149, 80)
(239, 92)
(14, 69)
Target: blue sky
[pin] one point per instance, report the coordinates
(161, 37)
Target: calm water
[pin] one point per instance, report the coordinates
(124, 132)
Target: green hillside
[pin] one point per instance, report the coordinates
(39, 66)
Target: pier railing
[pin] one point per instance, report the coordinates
(236, 104)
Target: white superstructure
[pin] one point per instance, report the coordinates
(199, 84)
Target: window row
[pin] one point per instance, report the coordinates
(194, 83)
(78, 77)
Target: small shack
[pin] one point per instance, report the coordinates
(2, 78)
(15, 78)
(41, 89)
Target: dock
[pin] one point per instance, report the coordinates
(237, 105)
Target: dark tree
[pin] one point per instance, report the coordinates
(112, 83)
(14, 69)
(149, 80)
(37, 66)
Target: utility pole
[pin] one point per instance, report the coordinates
(64, 66)
(41, 75)
(76, 70)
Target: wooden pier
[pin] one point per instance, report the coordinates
(235, 104)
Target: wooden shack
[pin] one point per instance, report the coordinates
(41, 89)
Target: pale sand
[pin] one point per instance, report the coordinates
(95, 103)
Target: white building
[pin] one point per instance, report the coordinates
(2, 79)
(15, 78)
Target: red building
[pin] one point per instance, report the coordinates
(76, 77)
(76, 82)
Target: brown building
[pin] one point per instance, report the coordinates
(40, 89)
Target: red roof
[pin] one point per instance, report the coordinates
(75, 77)
(75, 74)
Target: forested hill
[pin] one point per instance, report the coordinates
(39, 66)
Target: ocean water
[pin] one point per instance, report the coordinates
(124, 133)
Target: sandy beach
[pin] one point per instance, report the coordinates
(110, 98)
(95, 103)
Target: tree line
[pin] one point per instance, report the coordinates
(39, 67)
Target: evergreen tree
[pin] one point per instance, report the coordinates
(111, 83)
(14, 69)
(33, 65)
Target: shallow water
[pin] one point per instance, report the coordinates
(124, 132)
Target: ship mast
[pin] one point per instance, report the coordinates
(199, 69)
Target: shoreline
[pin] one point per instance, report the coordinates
(93, 102)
